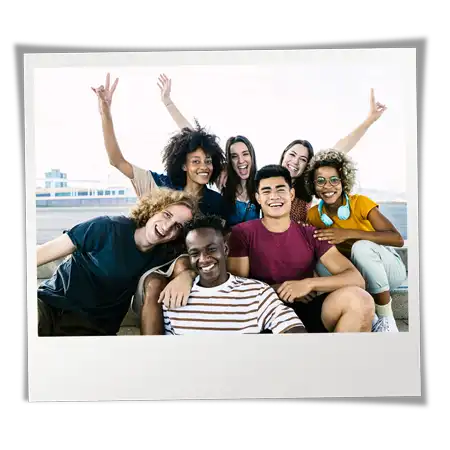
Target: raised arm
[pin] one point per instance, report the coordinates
(55, 249)
(116, 159)
(165, 85)
(348, 142)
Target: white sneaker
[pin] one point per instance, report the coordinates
(385, 325)
(374, 321)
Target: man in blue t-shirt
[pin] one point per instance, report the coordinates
(90, 292)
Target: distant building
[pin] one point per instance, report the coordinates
(53, 179)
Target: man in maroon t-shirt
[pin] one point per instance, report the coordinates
(283, 253)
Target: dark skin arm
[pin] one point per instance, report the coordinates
(296, 330)
(157, 286)
(385, 233)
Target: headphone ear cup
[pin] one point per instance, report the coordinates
(326, 220)
(344, 210)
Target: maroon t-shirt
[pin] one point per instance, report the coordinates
(277, 257)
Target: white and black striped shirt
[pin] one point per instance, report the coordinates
(241, 305)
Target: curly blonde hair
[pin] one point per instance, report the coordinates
(331, 158)
(159, 199)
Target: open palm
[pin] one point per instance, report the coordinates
(165, 85)
(105, 95)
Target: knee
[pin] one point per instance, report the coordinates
(361, 250)
(360, 301)
(153, 286)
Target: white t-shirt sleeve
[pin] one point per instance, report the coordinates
(274, 315)
(142, 181)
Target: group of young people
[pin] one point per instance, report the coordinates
(215, 244)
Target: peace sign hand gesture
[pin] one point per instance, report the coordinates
(105, 94)
(376, 108)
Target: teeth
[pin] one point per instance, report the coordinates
(207, 268)
(276, 204)
(242, 167)
(159, 232)
(294, 169)
(329, 194)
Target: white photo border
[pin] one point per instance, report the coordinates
(225, 366)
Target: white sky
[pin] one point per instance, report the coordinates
(320, 100)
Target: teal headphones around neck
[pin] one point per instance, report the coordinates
(343, 212)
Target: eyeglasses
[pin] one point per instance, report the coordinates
(322, 181)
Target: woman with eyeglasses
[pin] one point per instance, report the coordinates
(237, 182)
(359, 230)
(298, 154)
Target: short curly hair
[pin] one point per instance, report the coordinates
(331, 158)
(187, 141)
(159, 199)
(205, 221)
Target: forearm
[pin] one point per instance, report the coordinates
(296, 329)
(109, 137)
(176, 115)
(58, 248)
(390, 238)
(152, 319)
(348, 142)
(182, 264)
(349, 277)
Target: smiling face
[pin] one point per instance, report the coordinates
(198, 167)
(328, 186)
(241, 160)
(295, 160)
(275, 197)
(207, 254)
(166, 225)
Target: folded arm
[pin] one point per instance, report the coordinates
(385, 232)
(343, 272)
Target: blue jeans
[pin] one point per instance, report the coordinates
(381, 267)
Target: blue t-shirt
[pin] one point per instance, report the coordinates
(101, 276)
(211, 202)
(244, 211)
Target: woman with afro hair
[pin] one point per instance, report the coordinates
(192, 159)
(359, 230)
(236, 181)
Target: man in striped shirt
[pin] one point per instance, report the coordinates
(219, 301)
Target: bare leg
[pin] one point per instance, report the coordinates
(152, 319)
(349, 309)
(383, 298)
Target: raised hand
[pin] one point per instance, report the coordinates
(165, 84)
(376, 108)
(105, 94)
